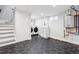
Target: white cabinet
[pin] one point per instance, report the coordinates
(44, 32)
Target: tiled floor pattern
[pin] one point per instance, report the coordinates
(39, 45)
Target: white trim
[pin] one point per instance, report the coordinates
(12, 43)
(66, 40)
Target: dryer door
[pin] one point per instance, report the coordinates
(35, 29)
(31, 30)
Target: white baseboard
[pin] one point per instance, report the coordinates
(12, 43)
(66, 40)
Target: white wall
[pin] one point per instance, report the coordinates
(39, 23)
(57, 30)
(22, 26)
(56, 27)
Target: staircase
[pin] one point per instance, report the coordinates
(7, 34)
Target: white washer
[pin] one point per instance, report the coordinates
(31, 30)
(34, 30)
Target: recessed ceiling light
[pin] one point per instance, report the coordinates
(33, 17)
(51, 18)
(56, 17)
(53, 5)
(42, 14)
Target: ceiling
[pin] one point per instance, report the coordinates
(42, 10)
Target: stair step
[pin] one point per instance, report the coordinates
(7, 34)
(6, 41)
(6, 25)
(5, 37)
(6, 31)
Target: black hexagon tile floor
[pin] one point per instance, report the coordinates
(39, 45)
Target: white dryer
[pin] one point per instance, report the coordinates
(34, 30)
